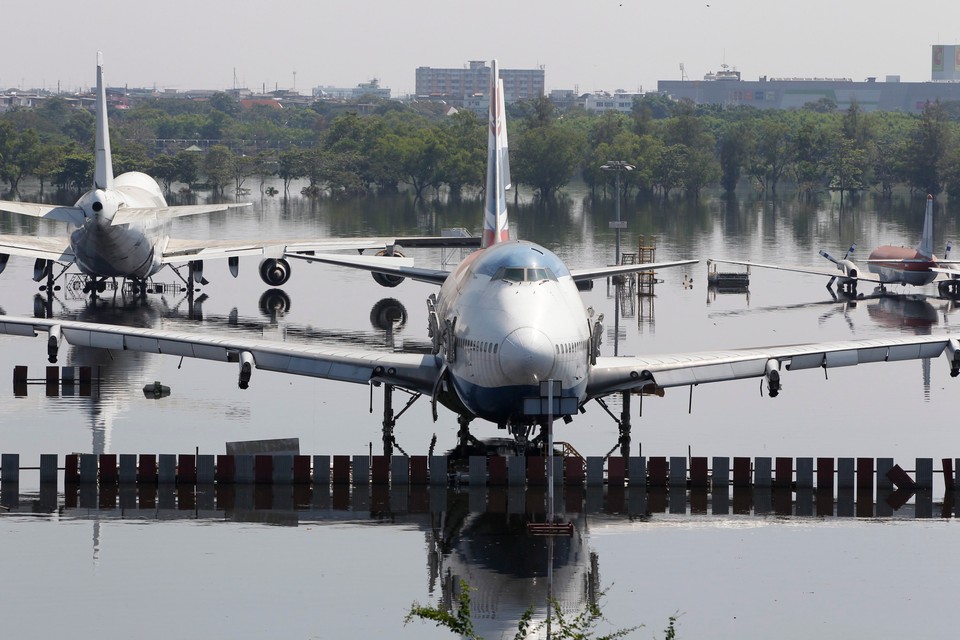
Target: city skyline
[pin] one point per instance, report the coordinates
(603, 45)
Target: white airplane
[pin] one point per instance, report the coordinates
(885, 265)
(512, 342)
(121, 229)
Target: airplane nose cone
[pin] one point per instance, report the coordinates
(527, 356)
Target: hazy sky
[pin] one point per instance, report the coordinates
(584, 44)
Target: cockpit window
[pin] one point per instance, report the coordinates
(521, 274)
(496, 261)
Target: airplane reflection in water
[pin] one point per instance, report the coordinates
(477, 535)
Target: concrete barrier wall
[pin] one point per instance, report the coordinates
(861, 474)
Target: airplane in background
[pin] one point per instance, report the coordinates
(121, 229)
(885, 265)
(512, 342)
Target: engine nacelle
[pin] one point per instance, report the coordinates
(385, 279)
(3, 261)
(772, 374)
(953, 357)
(41, 269)
(275, 271)
(53, 343)
(849, 269)
(246, 368)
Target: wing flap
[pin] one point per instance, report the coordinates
(828, 272)
(604, 272)
(390, 265)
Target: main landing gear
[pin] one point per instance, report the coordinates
(389, 419)
(623, 423)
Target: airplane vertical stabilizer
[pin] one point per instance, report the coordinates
(495, 224)
(103, 169)
(926, 243)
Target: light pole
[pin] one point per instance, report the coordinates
(618, 166)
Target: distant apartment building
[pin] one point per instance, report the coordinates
(727, 88)
(461, 87)
(372, 89)
(602, 101)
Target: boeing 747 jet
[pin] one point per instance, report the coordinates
(121, 229)
(512, 342)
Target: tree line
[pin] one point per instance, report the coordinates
(674, 147)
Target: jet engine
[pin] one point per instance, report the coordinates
(275, 271)
(384, 279)
(847, 268)
(772, 374)
(246, 369)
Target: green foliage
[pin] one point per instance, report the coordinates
(458, 622)
(581, 626)
(546, 158)
(675, 146)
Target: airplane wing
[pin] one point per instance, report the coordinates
(389, 265)
(946, 273)
(180, 250)
(133, 214)
(603, 272)
(73, 215)
(613, 374)
(46, 248)
(826, 272)
(416, 372)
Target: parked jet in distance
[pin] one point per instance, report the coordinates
(122, 229)
(886, 265)
(511, 340)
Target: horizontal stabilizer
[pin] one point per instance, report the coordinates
(73, 215)
(133, 214)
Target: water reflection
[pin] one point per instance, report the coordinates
(477, 535)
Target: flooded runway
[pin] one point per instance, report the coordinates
(112, 571)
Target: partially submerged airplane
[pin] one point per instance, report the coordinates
(886, 265)
(122, 227)
(511, 340)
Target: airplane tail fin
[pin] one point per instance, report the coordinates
(926, 242)
(495, 224)
(103, 167)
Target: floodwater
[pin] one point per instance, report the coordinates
(331, 570)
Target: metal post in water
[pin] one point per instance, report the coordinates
(550, 451)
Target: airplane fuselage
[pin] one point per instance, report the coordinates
(905, 266)
(511, 317)
(133, 250)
